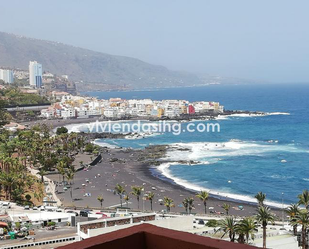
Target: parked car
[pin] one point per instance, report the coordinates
(84, 213)
(27, 207)
(6, 205)
(35, 208)
(72, 212)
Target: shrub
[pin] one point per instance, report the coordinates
(61, 130)
(212, 223)
(51, 223)
(28, 197)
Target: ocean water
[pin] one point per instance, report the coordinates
(246, 156)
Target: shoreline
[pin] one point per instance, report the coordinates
(144, 172)
(54, 123)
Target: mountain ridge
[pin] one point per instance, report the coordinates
(92, 68)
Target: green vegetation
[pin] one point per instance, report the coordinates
(137, 191)
(168, 203)
(61, 130)
(100, 199)
(120, 190)
(212, 223)
(188, 204)
(226, 207)
(150, 197)
(4, 116)
(51, 224)
(203, 196)
(35, 149)
(12, 96)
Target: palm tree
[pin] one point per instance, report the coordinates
(137, 191)
(247, 226)
(190, 204)
(203, 196)
(260, 197)
(185, 204)
(100, 199)
(226, 207)
(302, 218)
(228, 225)
(169, 203)
(42, 172)
(120, 190)
(150, 197)
(127, 198)
(70, 176)
(292, 211)
(264, 216)
(304, 198)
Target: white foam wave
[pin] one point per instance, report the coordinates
(244, 115)
(222, 117)
(211, 151)
(164, 169)
(103, 144)
(277, 113)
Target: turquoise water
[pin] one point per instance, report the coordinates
(246, 156)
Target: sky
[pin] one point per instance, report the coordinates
(266, 40)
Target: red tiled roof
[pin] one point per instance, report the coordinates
(153, 237)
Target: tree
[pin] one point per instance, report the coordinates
(203, 196)
(304, 199)
(185, 204)
(42, 172)
(137, 191)
(61, 130)
(150, 197)
(264, 216)
(168, 203)
(3, 114)
(120, 190)
(228, 225)
(247, 226)
(260, 197)
(302, 218)
(292, 211)
(28, 197)
(190, 202)
(70, 176)
(226, 207)
(100, 199)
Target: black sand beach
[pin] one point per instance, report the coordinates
(121, 166)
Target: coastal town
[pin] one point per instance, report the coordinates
(74, 199)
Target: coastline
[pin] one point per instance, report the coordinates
(145, 173)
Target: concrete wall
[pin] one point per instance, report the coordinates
(179, 224)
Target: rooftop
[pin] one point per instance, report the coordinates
(150, 237)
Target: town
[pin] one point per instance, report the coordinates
(66, 104)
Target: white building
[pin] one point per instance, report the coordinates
(68, 113)
(35, 74)
(7, 76)
(110, 113)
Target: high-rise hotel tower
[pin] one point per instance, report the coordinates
(35, 74)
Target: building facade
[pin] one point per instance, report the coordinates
(35, 74)
(7, 76)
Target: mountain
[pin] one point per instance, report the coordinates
(95, 70)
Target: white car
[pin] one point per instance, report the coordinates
(6, 204)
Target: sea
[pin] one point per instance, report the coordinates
(250, 153)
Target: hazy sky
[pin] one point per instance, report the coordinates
(254, 39)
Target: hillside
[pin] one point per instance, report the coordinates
(96, 70)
